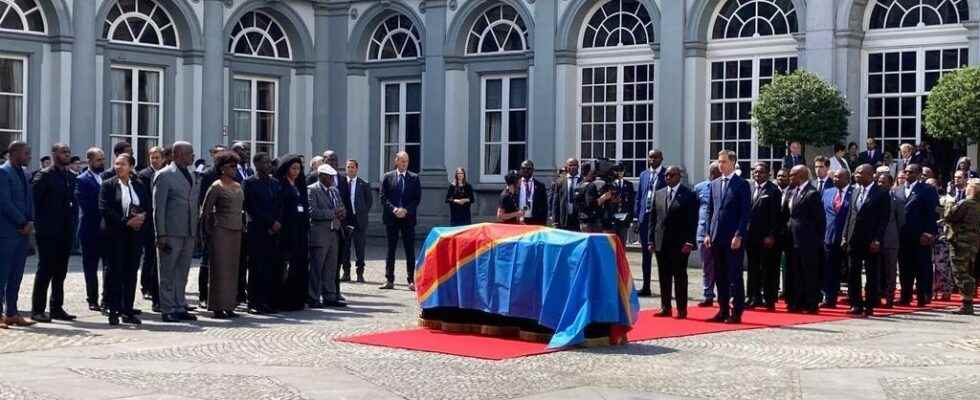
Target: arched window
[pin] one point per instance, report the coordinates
(498, 30)
(257, 34)
(619, 23)
(21, 16)
(754, 18)
(396, 38)
(142, 22)
(911, 13)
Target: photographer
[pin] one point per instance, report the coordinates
(619, 209)
(597, 197)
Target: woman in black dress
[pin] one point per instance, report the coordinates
(122, 200)
(460, 198)
(508, 210)
(294, 236)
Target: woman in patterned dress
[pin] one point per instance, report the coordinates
(942, 283)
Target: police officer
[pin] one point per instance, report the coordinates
(963, 222)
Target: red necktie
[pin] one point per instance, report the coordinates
(838, 201)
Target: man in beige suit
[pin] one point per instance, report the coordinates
(327, 215)
(175, 194)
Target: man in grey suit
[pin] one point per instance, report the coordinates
(356, 195)
(327, 214)
(175, 194)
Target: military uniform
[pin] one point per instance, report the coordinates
(963, 224)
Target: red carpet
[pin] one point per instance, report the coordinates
(647, 327)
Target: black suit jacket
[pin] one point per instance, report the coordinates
(146, 178)
(868, 223)
(790, 161)
(807, 220)
(539, 205)
(262, 203)
(875, 160)
(357, 214)
(765, 216)
(392, 197)
(110, 204)
(54, 203)
(680, 224)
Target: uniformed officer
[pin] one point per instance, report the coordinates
(963, 222)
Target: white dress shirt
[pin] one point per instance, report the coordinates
(352, 182)
(129, 196)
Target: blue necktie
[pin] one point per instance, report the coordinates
(401, 189)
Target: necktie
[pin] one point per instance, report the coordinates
(838, 200)
(959, 195)
(758, 192)
(670, 196)
(401, 189)
(724, 186)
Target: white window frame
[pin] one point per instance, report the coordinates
(722, 50)
(22, 133)
(254, 111)
(133, 137)
(505, 111)
(13, 5)
(488, 32)
(149, 24)
(920, 40)
(402, 114)
(413, 40)
(265, 35)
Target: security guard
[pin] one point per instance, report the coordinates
(963, 222)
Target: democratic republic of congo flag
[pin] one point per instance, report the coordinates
(564, 280)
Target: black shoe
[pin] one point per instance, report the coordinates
(664, 312)
(232, 314)
(113, 319)
(645, 292)
(707, 303)
(681, 314)
(131, 319)
(360, 278)
(335, 303)
(734, 319)
(387, 286)
(770, 307)
(94, 307)
(828, 304)
(155, 308)
(855, 311)
(720, 317)
(61, 315)
(137, 311)
(203, 304)
(346, 276)
(41, 317)
(170, 318)
(218, 314)
(190, 308)
(255, 311)
(315, 305)
(186, 316)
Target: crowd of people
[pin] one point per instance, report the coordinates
(278, 234)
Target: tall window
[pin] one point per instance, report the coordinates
(503, 124)
(21, 16)
(136, 106)
(396, 38)
(755, 18)
(498, 30)
(142, 22)
(735, 86)
(257, 34)
(13, 93)
(401, 119)
(918, 13)
(255, 112)
(617, 85)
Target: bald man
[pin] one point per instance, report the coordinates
(401, 193)
(806, 225)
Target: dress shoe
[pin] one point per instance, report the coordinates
(345, 277)
(203, 304)
(113, 319)
(734, 319)
(169, 317)
(411, 287)
(61, 315)
(770, 307)
(707, 303)
(41, 317)
(186, 316)
(131, 319)
(94, 307)
(190, 308)
(17, 320)
(335, 304)
(720, 317)
(855, 311)
(869, 312)
(664, 312)
(645, 292)
(360, 278)
(255, 311)
(155, 308)
(137, 311)
(387, 286)
(828, 304)
(232, 314)
(682, 314)
(341, 297)
(315, 305)
(218, 314)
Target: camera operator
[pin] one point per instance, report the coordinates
(619, 209)
(597, 196)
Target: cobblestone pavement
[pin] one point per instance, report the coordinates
(294, 356)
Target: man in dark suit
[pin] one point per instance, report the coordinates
(806, 224)
(651, 180)
(90, 230)
(620, 209)
(117, 149)
(243, 149)
(821, 167)
(148, 276)
(864, 234)
(674, 222)
(836, 205)
(207, 179)
(56, 219)
(764, 226)
(356, 196)
(401, 193)
(872, 155)
(533, 196)
(564, 208)
(265, 266)
(916, 237)
(729, 210)
(795, 156)
(16, 227)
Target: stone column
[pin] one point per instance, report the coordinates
(695, 111)
(543, 117)
(213, 76)
(847, 77)
(83, 100)
(434, 135)
(818, 49)
(330, 76)
(670, 77)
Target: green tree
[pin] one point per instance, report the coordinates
(953, 110)
(800, 107)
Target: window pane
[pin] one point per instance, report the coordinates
(122, 84)
(413, 96)
(517, 131)
(149, 86)
(142, 148)
(414, 157)
(265, 127)
(148, 120)
(266, 99)
(11, 76)
(389, 157)
(267, 148)
(518, 93)
(493, 122)
(241, 94)
(11, 113)
(491, 159)
(516, 154)
(413, 128)
(121, 119)
(494, 94)
(391, 129)
(392, 97)
(241, 126)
